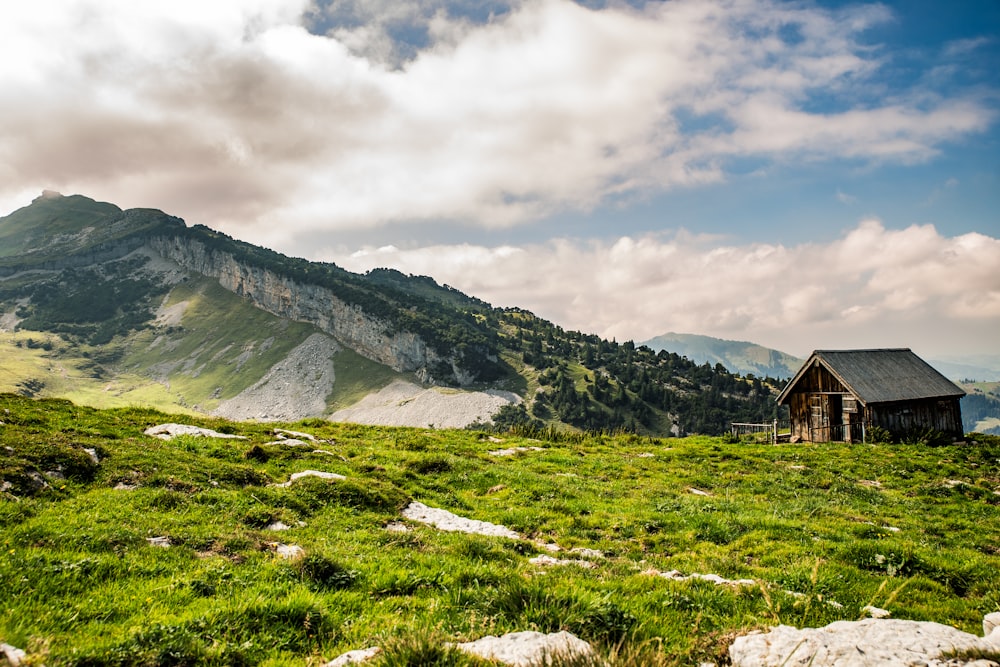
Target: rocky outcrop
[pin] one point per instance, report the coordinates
(867, 642)
(369, 336)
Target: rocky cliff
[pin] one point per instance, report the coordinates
(370, 336)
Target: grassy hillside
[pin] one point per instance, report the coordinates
(823, 530)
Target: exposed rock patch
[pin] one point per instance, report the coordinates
(295, 388)
(675, 575)
(549, 561)
(445, 520)
(354, 657)
(14, 656)
(406, 404)
(170, 431)
(887, 642)
(526, 649)
(510, 451)
(287, 551)
(310, 473)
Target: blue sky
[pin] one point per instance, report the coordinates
(800, 174)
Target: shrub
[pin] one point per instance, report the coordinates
(324, 573)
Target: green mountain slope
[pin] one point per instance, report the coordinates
(137, 306)
(736, 356)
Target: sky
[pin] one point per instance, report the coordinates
(800, 174)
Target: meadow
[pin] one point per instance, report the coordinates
(822, 530)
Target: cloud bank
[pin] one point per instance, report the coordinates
(873, 287)
(237, 114)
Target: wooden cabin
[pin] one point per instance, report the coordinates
(838, 395)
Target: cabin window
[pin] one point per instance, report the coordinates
(850, 404)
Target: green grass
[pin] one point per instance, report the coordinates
(84, 586)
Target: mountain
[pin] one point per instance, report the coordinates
(736, 356)
(112, 307)
(967, 370)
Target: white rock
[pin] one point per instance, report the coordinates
(514, 450)
(587, 553)
(278, 525)
(870, 641)
(287, 551)
(698, 492)
(169, 431)
(122, 486)
(991, 622)
(527, 649)
(92, 453)
(159, 541)
(445, 520)
(14, 655)
(354, 657)
(397, 527)
(310, 473)
(675, 575)
(550, 561)
(875, 612)
(289, 442)
(296, 435)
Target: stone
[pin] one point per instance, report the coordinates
(445, 520)
(354, 657)
(397, 527)
(550, 561)
(283, 434)
(310, 473)
(870, 641)
(161, 541)
(289, 442)
(15, 657)
(92, 453)
(698, 492)
(991, 622)
(170, 431)
(675, 575)
(587, 553)
(278, 525)
(514, 450)
(875, 612)
(528, 649)
(287, 551)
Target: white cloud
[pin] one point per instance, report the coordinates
(873, 287)
(230, 113)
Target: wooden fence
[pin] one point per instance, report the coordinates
(773, 431)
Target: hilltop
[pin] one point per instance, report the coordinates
(112, 307)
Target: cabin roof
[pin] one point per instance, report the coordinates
(879, 376)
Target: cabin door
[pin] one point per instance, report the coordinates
(819, 418)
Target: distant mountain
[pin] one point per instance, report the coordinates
(736, 356)
(115, 308)
(965, 370)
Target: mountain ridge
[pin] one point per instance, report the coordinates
(742, 357)
(105, 285)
